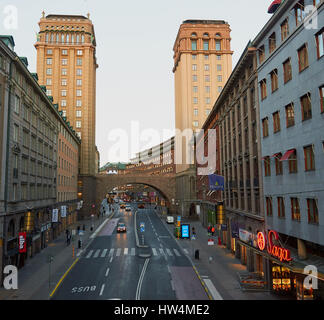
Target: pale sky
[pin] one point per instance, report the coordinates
(134, 52)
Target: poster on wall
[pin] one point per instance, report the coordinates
(55, 215)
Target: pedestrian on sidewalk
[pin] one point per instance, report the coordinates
(209, 230)
(193, 231)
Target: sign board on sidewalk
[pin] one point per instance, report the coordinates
(185, 231)
(193, 237)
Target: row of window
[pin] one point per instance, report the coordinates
(207, 67)
(300, 15)
(63, 82)
(64, 52)
(65, 181)
(207, 99)
(306, 113)
(312, 209)
(66, 196)
(287, 70)
(65, 149)
(51, 37)
(291, 157)
(31, 167)
(34, 192)
(206, 45)
(196, 112)
(206, 57)
(49, 61)
(78, 103)
(64, 93)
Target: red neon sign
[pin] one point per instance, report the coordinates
(22, 242)
(278, 252)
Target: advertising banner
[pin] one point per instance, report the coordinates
(185, 231)
(55, 215)
(22, 242)
(216, 182)
(63, 211)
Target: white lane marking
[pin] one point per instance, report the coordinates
(172, 285)
(96, 255)
(186, 251)
(111, 252)
(107, 272)
(125, 251)
(140, 281)
(99, 229)
(102, 289)
(111, 259)
(89, 254)
(104, 253)
(133, 252)
(154, 251)
(118, 252)
(213, 291)
(169, 252)
(177, 252)
(161, 250)
(79, 253)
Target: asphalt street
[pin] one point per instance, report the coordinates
(111, 267)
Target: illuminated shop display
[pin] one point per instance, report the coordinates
(282, 279)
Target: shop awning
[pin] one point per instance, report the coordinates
(274, 6)
(287, 154)
(275, 155)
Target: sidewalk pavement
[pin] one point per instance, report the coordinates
(221, 270)
(38, 278)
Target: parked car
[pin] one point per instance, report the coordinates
(170, 219)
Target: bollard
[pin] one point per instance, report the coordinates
(197, 254)
(80, 244)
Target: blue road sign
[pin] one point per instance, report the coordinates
(185, 231)
(179, 218)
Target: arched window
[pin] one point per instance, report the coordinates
(57, 38)
(46, 38)
(62, 37)
(67, 38)
(82, 38)
(206, 34)
(194, 34)
(218, 35)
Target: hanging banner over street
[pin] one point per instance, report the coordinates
(216, 182)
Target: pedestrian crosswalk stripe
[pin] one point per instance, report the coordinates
(154, 251)
(169, 252)
(104, 253)
(111, 252)
(96, 253)
(118, 252)
(186, 251)
(161, 251)
(125, 251)
(177, 252)
(89, 254)
(133, 252)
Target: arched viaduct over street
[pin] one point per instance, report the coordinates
(95, 191)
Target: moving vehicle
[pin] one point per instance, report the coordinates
(141, 206)
(122, 205)
(121, 227)
(128, 208)
(170, 219)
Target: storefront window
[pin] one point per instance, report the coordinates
(282, 279)
(303, 293)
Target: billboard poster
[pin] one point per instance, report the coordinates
(22, 242)
(185, 231)
(55, 215)
(63, 211)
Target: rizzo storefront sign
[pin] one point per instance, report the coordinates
(22, 242)
(278, 252)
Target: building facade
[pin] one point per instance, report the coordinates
(29, 159)
(236, 212)
(202, 65)
(66, 65)
(291, 86)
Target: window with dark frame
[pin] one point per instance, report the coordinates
(267, 167)
(321, 93)
(287, 70)
(281, 207)
(261, 54)
(299, 12)
(274, 80)
(309, 158)
(312, 211)
(290, 115)
(284, 30)
(279, 167)
(295, 209)
(272, 42)
(263, 87)
(303, 58)
(320, 43)
(276, 121)
(306, 106)
(292, 163)
(269, 206)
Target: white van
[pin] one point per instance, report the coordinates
(170, 219)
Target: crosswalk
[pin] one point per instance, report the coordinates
(120, 252)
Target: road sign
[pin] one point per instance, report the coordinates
(193, 237)
(179, 218)
(142, 226)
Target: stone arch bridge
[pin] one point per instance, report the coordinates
(95, 188)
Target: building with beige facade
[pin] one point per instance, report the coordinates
(66, 65)
(202, 65)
